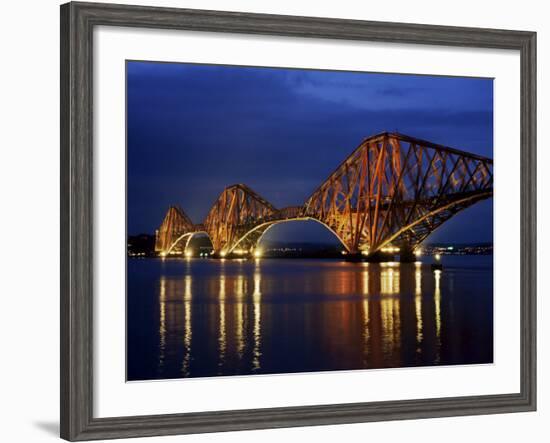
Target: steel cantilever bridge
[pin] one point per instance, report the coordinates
(391, 192)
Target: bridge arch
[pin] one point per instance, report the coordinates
(413, 234)
(187, 237)
(251, 239)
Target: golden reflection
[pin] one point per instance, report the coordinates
(389, 307)
(378, 323)
(366, 326)
(240, 290)
(188, 333)
(222, 338)
(162, 325)
(389, 281)
(391, 324)
(365, 281)
(418, 303)
(256, 300)
(334, 281)
(346, 285)
(437, 301)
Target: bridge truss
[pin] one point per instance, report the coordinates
(392, 190)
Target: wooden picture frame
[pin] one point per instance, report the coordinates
(77, 23)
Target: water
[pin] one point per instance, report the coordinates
(201, 317)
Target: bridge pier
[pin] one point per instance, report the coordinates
(379, 257)
(406, 255)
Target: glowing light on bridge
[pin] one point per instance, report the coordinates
(390, 249)
(258, 253)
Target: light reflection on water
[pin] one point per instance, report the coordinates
(195, 318)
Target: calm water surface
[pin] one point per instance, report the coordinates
(201, 317)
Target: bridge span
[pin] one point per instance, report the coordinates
(392, 192)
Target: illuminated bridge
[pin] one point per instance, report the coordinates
(391, 192)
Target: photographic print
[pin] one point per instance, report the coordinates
(296, 220)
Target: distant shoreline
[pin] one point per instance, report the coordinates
(308, 256)
(143, 245)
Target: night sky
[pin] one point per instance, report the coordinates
(194, 129)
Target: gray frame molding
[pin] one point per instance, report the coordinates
(77, 23)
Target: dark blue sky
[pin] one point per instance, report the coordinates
(194, 129)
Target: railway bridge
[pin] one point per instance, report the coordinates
(391, 192)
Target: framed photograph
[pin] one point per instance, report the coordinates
(273, 221)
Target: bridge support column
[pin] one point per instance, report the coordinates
(354, 257)
(379, 256)
(406, 255)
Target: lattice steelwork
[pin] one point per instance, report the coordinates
(395, 189)
(175, 224)
(392, 190)
(237, 211)
(248, 238)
